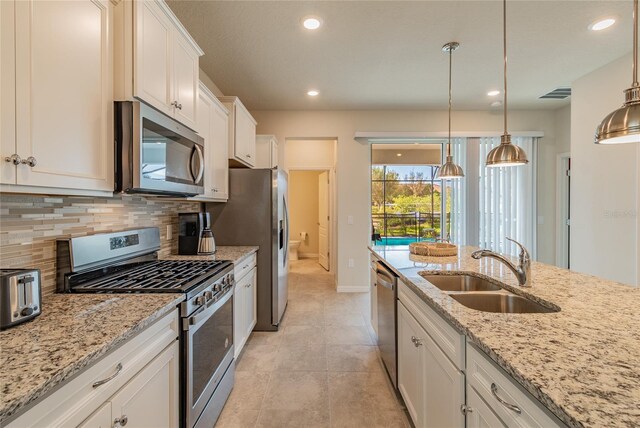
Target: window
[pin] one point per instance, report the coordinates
(406, 198)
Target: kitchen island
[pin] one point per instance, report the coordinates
(582, 362)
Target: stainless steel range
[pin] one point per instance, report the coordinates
(127, 262)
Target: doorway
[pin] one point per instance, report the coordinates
(310, 208)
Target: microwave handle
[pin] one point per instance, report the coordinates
(198, 177)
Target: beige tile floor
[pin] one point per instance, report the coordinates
(321, 369)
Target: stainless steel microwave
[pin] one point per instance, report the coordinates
(155, 154)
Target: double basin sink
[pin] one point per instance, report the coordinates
(483, 295)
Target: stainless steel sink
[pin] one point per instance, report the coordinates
(460, 282)
(500, 302)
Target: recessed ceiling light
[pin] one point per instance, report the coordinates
(399, 154)
(493, 93)
(311, 23)
(602, 24)
(313, 93)
(496, 104)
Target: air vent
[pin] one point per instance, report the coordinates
(557, 94)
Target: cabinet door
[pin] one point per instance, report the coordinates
(7, 91)
(444, 386)
(238, 318)
(203, 128)
(411, 366)
(151, 399)
(250, 303)
(186, 73)
(153, 33)
(479, 414)
(64, 108)
(101, 418)
(245, 144)
(219, 152)
(274, 153)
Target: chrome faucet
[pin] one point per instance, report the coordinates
(522, 271)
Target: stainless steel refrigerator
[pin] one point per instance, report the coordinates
(257, 214)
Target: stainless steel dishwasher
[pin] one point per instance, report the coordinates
(387, 285)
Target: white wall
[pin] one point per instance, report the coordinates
(353, 173)
(604, 181)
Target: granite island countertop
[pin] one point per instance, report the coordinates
(583, 363)
(236, 254)
(73, 332)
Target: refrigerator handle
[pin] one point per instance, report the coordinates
(286, 230)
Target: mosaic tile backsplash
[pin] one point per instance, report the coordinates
(30, 225)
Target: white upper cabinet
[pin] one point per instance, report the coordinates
(266, 151)
(59, 130)
(242, 133)
(213, 126)
(156, 60)
(7, 91)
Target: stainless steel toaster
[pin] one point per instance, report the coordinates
(20, 296)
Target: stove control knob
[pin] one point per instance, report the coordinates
(201, 300)
(218, 286)
(208, 295)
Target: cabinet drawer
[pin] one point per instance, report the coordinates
(244, 267)
(501, 392)
(446, 337)
(76, 400)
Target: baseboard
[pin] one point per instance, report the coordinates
(353, 289)
(307, 255)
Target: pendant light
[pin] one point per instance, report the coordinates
(623, 125)
(506, 154)
(450, 170)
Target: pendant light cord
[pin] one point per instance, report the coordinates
(450, 62)
(504, 44)
(635, 43)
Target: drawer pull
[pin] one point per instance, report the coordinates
(513, 407)
(120, 422)
(103, 381)
(416, 341)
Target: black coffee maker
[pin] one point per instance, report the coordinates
(195, 236)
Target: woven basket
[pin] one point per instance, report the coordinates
(434, 249)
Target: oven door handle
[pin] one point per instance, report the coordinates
(203, 314)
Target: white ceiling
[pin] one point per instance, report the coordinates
(387, 54)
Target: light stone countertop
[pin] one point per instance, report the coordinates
(583, 363)
(73, 332)
(236, 254)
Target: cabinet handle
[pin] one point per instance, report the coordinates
(103, 381)
(416, 341)
(248, 156)
(513, 407)
(31, 161)
(14, 159)
(177, 105)
(120, 422)
(465, 409)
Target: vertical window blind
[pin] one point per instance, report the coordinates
(505, 203)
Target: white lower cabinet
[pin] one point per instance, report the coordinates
(431, 385)
(480, 414)
(244, 302)
(439, 376)
(136, 385)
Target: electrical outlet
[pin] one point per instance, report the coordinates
(350, 219)
(169, 232)
(351, 263)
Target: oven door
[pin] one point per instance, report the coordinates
(208, 342)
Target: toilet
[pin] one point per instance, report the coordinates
(293, 249)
